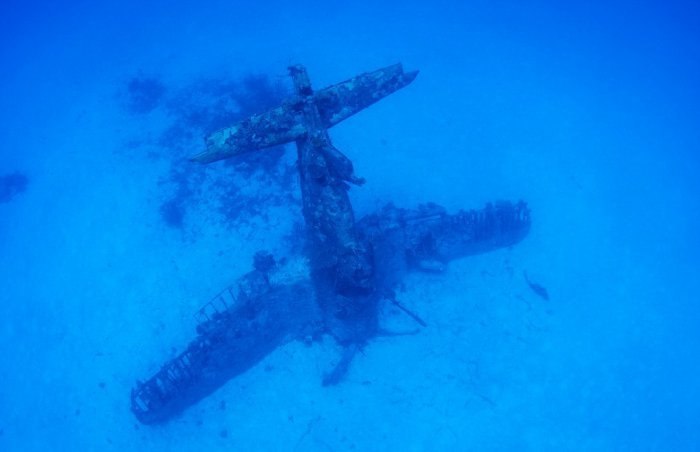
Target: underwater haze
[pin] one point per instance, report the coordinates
(584, 336)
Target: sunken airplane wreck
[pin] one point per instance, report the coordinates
(351, 268)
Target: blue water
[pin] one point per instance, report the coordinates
(588, 112)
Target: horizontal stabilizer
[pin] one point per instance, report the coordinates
(284, 124)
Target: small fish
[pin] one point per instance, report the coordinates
(538, 289)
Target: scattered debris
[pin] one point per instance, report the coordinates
(539, 290)
(309, 427)
(336, 375)
(11, 185)
(195, 110)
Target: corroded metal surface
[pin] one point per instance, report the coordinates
(352, 266)
(275, 304)
(284, 124)
(341, 271)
